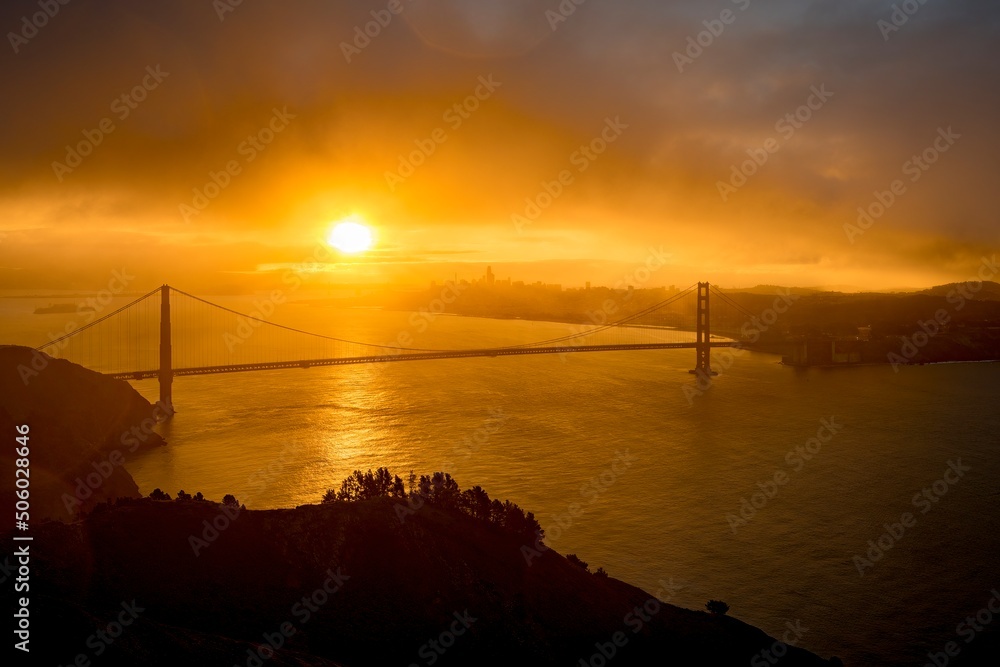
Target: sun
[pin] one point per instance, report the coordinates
(350, 236)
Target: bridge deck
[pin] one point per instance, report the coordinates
(415, 356)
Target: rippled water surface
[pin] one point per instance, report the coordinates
(545, 432)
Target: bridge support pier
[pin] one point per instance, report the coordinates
(703, 336)
(166, 374)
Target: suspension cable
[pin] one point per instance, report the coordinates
(95, 322)
(732, 302)
(604, 327)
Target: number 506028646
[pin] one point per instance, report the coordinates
(22, 472)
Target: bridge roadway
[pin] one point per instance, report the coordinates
(415, 356)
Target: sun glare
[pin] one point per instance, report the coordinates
(350, 236)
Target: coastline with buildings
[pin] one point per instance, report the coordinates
(821, 329)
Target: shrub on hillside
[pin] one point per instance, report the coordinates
(717, 607)
(573, 558)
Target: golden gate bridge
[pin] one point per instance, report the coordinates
(169, 333)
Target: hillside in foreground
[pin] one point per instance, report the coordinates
(392, 587)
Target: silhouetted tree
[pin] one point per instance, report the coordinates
(601, 573)
(198, 496)
(717, 607)
(362, 486)
(476, 503)
(229, 500)
(183, 496)
(424, 487)
(442, 490)
(576, 561)
(445, 490)
(156, 494)
(512, 518)
(531, 528)
(496, 513)
(397, 490)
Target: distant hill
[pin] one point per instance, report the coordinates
(773, 289)
(990, 291)
(841, 314)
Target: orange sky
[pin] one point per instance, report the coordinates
(547, 87)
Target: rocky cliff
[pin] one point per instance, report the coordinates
(83, 428)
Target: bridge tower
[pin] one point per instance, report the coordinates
(703, 349)
(166, 374)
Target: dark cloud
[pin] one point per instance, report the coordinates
(658, 183)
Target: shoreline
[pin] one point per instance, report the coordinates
(889, 363)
